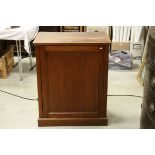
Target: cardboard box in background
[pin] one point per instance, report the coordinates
(98, 29)
(121, 46)
(136, 49)
(6, 63)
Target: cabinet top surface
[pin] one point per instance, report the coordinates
(71, 38)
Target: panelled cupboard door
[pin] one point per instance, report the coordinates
(73, 82)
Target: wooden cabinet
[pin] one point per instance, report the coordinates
(72, 71)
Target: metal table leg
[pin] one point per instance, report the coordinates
(30, 57)
(18, 45)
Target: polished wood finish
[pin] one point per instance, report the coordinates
(72, 71)
(71, 38)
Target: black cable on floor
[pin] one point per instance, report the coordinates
(37, 99)
(18, 61)
(127, 95)
(24, 58)
(32, 68)
(18, 96)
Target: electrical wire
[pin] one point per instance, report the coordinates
(37, 99)
(127, 95)
(18, 96)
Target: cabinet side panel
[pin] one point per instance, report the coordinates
(44, 81)
(38, 63)
(105, 78)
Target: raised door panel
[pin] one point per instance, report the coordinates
(71, 83)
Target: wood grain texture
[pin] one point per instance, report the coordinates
(40, 101)
(72, 83)
(74, 75)
(72, 121)
(45, 38)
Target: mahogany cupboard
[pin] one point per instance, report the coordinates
(72, 72)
